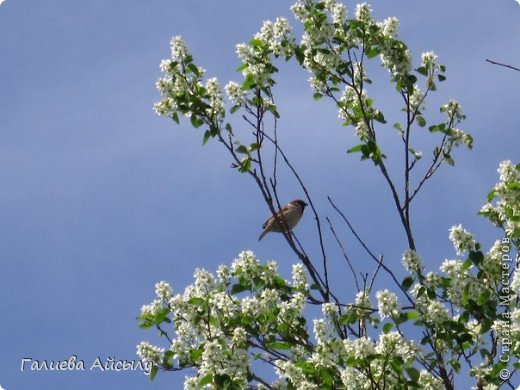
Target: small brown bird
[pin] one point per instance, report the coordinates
(286, 219)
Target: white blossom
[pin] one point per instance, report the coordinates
(411, 261)
(387, 303)
(508, 172)
(148, 352)
(436, 313)
(451, 267)
(429, 60)
(216, 102)
(363, 348)
(433, 279)
(299, 277)
(428, 382)
(329, 310)
(364, 12)
(459, 137)
(396, 58)
(393, 344)
(163, 290)
(389, 27)
(417, 99)
(462, 240)
(153, 308)
(179, 48)
(453, 109)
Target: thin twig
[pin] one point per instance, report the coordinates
(311, 204)
(504, 65)
(378, 261)
(374, 276)
(344, 253)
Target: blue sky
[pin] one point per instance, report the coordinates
(101, 198)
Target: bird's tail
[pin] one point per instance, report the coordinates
(262, 235)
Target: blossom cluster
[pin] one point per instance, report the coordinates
(411, 261)
(505, 209)
(219, 318)
(388, 304)
(462, 240)
(207, 317)
(183, 91)
(274, 40)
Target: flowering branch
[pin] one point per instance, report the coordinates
(226, 324)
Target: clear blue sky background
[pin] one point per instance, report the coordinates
(100, 198)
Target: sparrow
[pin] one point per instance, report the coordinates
(286, 219)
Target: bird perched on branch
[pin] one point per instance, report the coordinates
(286, 219)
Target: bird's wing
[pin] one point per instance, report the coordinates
(278, 216)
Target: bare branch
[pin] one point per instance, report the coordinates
(377, 259)
(344, 253)
(504, 65)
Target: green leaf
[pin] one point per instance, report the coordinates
(195, 355)
(242, 67)
(299, 53)
(317, 96)
(245, 165)
(407, 282)
(456, 365)
(413, 373)
(196, 301)
(223, 382)
(238, 288)
(379, 117)
(256, 42)
(483, 297)
(413, 315)
(194, 69)
(206, 380)
(283, 345)
(207, 136)
(348, 318)
(241, 149)
(491, 195)
(465, 294)
(387, 327)
(441, 127)
(356, 149)
(146, 325)
(373, 52)
(401, 318)
(162, 315)
(476, 257)
(466, 265)
(422, 70)
(196, 121)
(249, 82)
(153, 372)
(420, 121)
(272, 109)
